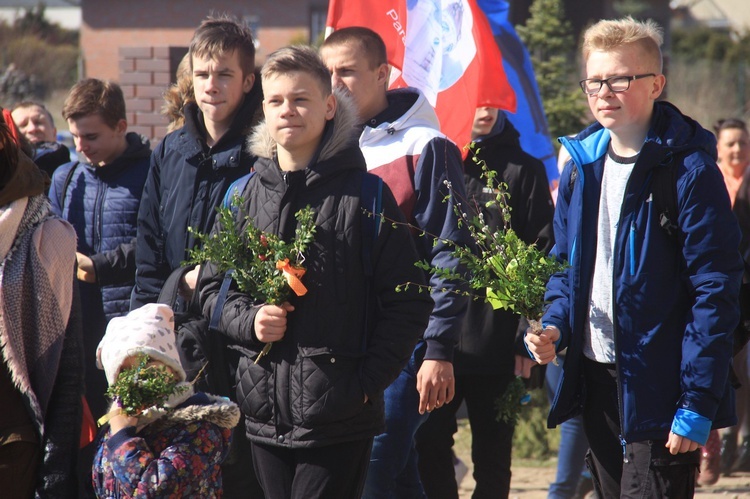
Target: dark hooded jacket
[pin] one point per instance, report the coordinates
(186, 183)
(486, 343)
(674, 299)
(310, 388)
(48, 156)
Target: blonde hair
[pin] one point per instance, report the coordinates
(610, 34)
(298, 58)
(178, 94)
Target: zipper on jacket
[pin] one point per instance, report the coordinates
(615, 329)
(96, 243)
(618, 381)
(631, 247)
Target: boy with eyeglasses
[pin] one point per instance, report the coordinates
(647, 318)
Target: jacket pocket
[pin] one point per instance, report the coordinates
(254, 394)
(326, 387)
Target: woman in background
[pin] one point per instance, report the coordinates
(733, 147)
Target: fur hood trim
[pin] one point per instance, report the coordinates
(220, 411)
(345, 131)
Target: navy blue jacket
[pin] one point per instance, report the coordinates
(675, 299)
(102, 205)
(186, 183)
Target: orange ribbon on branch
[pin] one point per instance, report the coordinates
(293, 275)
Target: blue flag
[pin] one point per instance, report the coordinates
(529, 118)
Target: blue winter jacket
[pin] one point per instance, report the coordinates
(102, 204)
(675, 299)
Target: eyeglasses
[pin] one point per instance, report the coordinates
(616, 84)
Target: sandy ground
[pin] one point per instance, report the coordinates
(531, 479)
(530, 482)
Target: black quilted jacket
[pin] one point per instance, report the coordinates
(310, 389)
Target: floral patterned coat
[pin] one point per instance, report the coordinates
(176, 456)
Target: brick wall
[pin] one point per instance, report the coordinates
(129, 42)
(144, 75)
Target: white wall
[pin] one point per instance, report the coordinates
(67, 17)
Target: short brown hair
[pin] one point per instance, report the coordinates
(92, 96)
(298, 58)
(220, 35)
(368, 41)
(610, 34)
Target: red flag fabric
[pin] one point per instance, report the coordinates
(443, 47)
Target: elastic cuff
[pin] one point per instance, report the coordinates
(121, 437)
(101, 268)
(545, 325)
(691, 425)
(438, 351)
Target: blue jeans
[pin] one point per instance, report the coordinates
(573, 446)
(393, 471)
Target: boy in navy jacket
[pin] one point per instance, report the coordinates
(100, 195)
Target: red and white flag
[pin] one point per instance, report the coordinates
(443, 47)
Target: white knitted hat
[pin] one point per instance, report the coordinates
(149, 330)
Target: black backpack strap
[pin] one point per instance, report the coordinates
(664, 196)
(171, 287)
(220, 301)
(573, 177)
(65, 185)
(237, 187)
(217, 343)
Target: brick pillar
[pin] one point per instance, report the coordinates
(144, 77)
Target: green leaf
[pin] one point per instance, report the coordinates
(252, 253)
(143, 386)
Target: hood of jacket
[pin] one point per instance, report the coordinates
(503, 133)
(49, 155)
(339, 138)
(415, 110)
(670, 131)
(201, 407)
